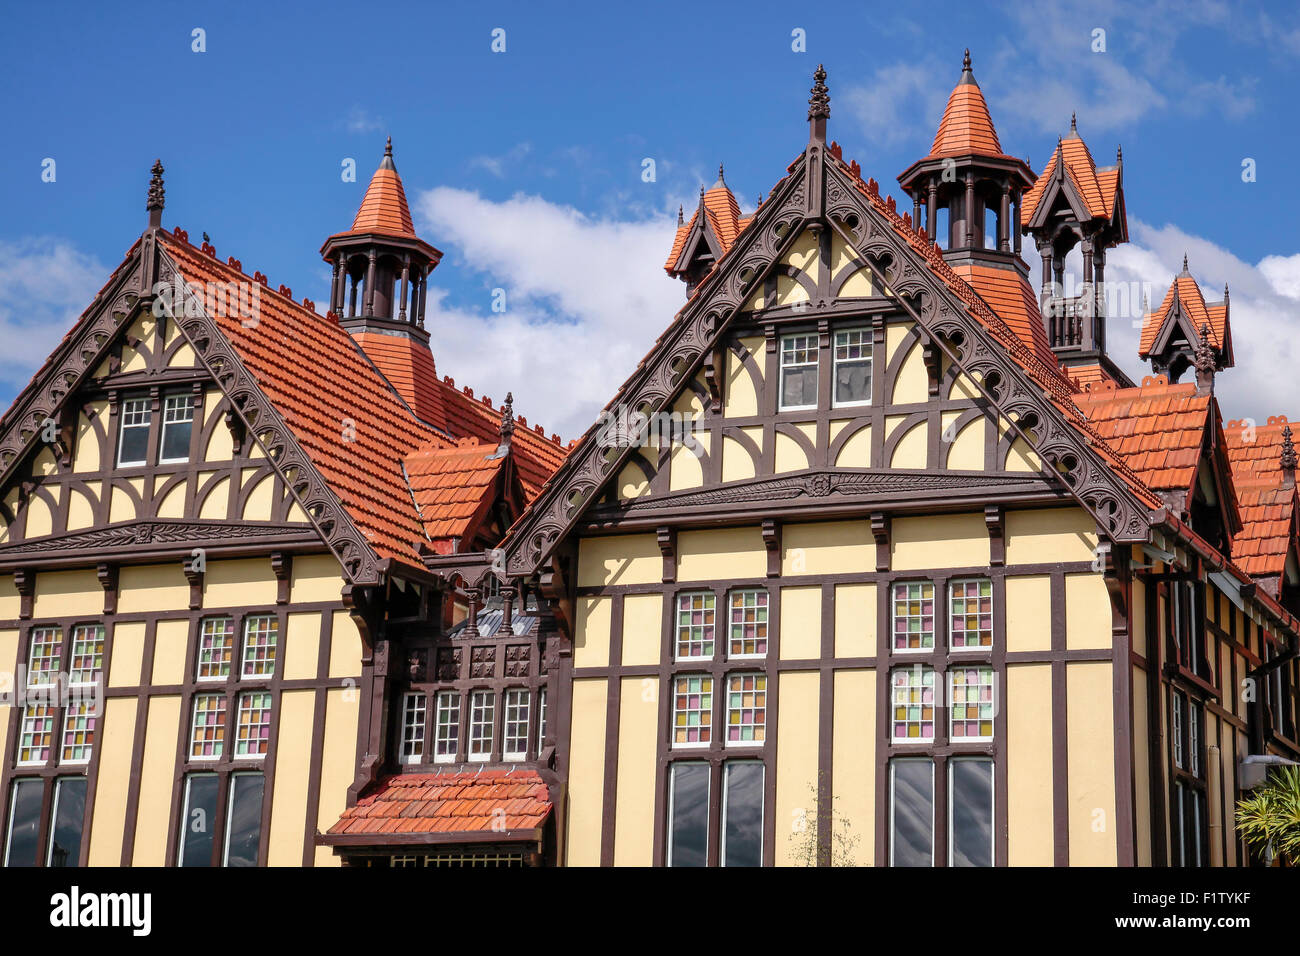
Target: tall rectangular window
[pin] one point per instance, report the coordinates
(799, 372)
(68, 820)
(692, 710)
(688, 815)
(446, 742)
(177, 423)
(85, 671)
(970, 610)
(260, 633)
(748, 624)
(482, 724)
(853, 367)
(78, 732)
(21, 846)
(87, 660)
(208, 728)
(541, 719)
(133, 436)
(911, 811)
(970, 811)
(970, 703)
(742, 813)
(515, 737)
(746, 709)
(36, 735)
(216, 648)
(914, 616)
(1178, 708)
(913, 703)
(36, 729)
(244, 819)
(695, 625)
(1194, 740)
(45, 656)
(413, 707)
(253, 728)
(200, 816)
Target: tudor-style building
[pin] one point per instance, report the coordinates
(931, 582)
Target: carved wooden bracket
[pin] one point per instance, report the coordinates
(67, 440)
(994, 522)
(554, 587)
(772, 541)
(194, 571)
(667, 538)
(880, 531)
(25, 582)
(107, 574)
(930, 355)
(282, 565)
(1113, 564)
(360, 600)
(238, 433)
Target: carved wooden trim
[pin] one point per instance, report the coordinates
(25, 583)
(993, 521)
(194, 569)
(772, 542)
(667, 538)
(880, 531)
(107, 574)
(282, 566)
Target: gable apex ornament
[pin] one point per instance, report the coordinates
(1206, 363)
(1288, 460)
(155, 202)
(819, 106)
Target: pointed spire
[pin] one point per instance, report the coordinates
(965, 61)
(384, 209)
(507, 420)
(1074, 124)
(680, 220)
(1288, 460)
(721, 181)
(819, 106)
(155, 203)
(1185, 272)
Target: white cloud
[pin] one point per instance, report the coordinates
(498, 166)
(899, 103)
(585, 299)
(45, 284)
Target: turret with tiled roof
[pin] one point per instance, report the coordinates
(1075, 203)
(967, 174)
(705, 239)
(1171, 334)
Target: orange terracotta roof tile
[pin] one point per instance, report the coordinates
(1010, 296)
(1096, 187)
(484, 802)
(453, 486)
(384, 209)
(1192, 301)
(966, 126)
(1085, 377)
(409, 367)
(723, 215)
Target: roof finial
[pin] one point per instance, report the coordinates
(1205, 362)
(508, 418)
(1288, 460)
(720, 179)
(1185, 272)
(819, 106)
(680, 220)
(156, 193)
(965, 61)
(388, 147)
(1074, 125)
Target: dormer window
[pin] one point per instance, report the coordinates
(177, 424)
(133, 440)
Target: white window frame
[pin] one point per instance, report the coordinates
(726, 707)
(923, 668)
(1177, 707)
(948, 611)
(767, 623)
(712, 711)
(726, 792)
(192, 757)
(413, 722)
(951, 673)
(672, 800)
(677, 629)
(815, 364)
(170, 404)
(231, 792)
(936, 611)
(893, 802)
(250, 695)
(273, 647)
(451, 711)
(131, 408)
(835, 363)
(199, 676)
(993, 803)
(522, 708)
(541, 719)
(489, 707)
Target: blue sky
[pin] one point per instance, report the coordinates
(524, 167)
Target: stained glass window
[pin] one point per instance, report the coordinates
(36, 736)
(413, 707)
(87, 661)
(692, 710)
(447, 728)
(482, 724)
(216, 648)
(515, 740)
(970, 701)
(208, 732)
(260, 633)
(913, 700)
(748, 624)
(45, 657)
(970, 608)
(913, 616)
(695, 624)
(746, 708)
(78, 732)
(253, 729)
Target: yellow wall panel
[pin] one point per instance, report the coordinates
(855, 620)
(86, 457)
(634, 821)
(216, 500)
(116, 733)
(8, 667)
(742, 396)
(220, 446)
(170, 642)
(910, 452)
(796, 762)
(619, 559)
(292, 776)
(1087, 612)
(66, 594)
(801, 623)
(586, 773)
(1091, 748)
(10, 603)
(315, 577)
(153, 815)
(345, 647)
(737, 463)
(591, 634)
(828, 547)
(856, 452)
(339, 761)
(1029, 764)
(40, 519)
(1050, 535)
(121, 506)
(235, 583)
(966, 450)
(942, 541)
(173, 505)
(685, 467)
(789, 456)
(854, 784)
(302, 646)
(1141, 767)
(1029, 613)
(642, 628)
(721, 555)
(128, 654)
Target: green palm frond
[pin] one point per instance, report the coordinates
(1270, 816)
